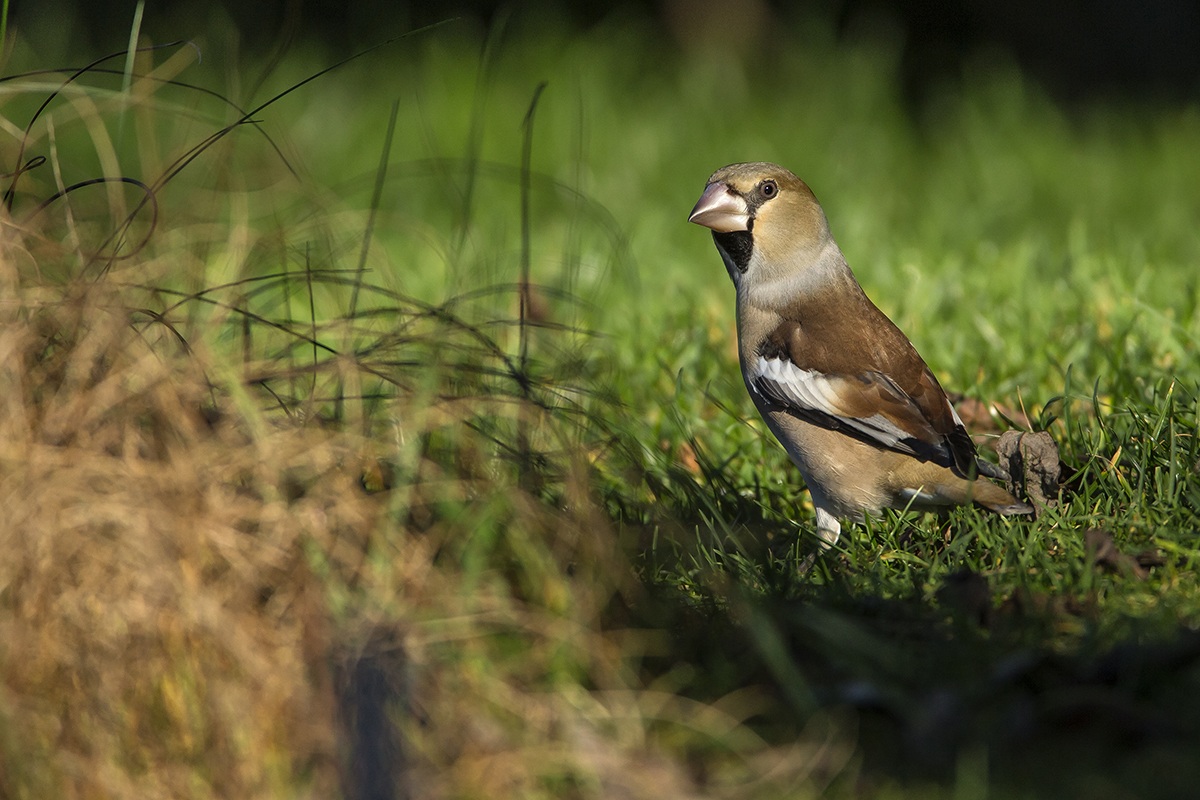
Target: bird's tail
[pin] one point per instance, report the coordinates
(994, 498)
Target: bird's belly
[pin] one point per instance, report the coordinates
(850, 478)
(845, 475)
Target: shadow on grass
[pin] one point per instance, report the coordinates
(953, 677)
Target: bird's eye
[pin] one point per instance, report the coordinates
(769, 189)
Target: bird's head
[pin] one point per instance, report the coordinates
(766, 222)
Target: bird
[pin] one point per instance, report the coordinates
(844, 391)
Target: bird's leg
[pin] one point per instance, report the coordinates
(828, 528)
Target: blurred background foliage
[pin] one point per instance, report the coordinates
(308, 490)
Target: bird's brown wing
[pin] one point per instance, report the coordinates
(879, 391)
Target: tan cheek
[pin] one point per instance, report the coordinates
(773, 239)
(781, 231)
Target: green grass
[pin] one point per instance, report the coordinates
(568, 544)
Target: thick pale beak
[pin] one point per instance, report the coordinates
(720, 209)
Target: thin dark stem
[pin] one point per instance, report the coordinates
(526, 158)
(527, 474)
(376, 196)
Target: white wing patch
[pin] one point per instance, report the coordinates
(780, 381)
(957, 419)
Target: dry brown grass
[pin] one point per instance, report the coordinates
(161, 626)
(201, 599)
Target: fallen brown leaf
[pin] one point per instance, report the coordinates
(1032, 462)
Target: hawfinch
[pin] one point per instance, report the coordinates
(839, 385)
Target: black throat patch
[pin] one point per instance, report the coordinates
(735, 248)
